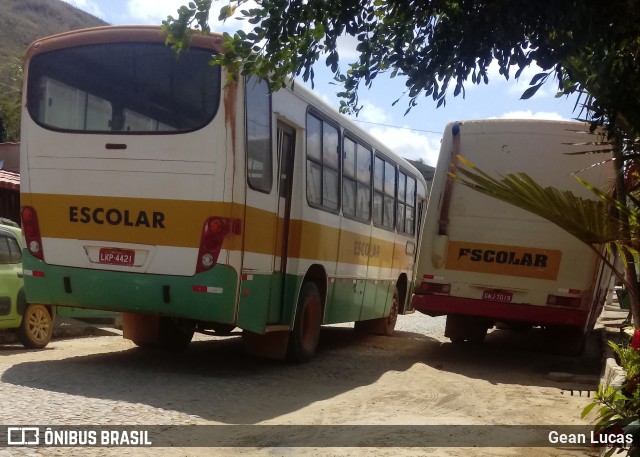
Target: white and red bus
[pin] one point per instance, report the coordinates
(152, 187)
(483, 261)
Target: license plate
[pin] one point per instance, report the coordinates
(497, 295)
(123, 257)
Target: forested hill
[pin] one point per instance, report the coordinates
(23, 21)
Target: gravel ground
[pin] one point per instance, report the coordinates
(412, 379)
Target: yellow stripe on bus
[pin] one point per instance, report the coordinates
(179, 223)
(519, 261)
(137, 220)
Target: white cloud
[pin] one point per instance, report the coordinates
(373, 113)
(409, 143)
(88, 6)
(550, 116)
(403, 140)
(347, 45)
(152, 11)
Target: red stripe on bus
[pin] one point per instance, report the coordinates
(541, 315)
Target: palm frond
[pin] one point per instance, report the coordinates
(588, 220)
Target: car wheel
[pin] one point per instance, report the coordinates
(36, 327)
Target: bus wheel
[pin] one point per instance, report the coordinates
(466, 328)
(36, 327)
(221, 329)
(303, 340)
(383, 325)
(175, 334)
(567, 340)
(390, 321)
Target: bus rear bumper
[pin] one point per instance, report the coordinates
(207, 296)
(438, 305)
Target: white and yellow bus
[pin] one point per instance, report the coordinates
(153, 188)
(484, 261)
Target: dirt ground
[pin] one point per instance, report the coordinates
(361, 395)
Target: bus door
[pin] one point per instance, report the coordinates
(286, 140)
(267, 210)
(422, 206)
(260, 210)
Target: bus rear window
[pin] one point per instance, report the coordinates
(123, 88)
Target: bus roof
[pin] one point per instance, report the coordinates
(116, 33)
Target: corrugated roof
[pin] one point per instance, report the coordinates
(9, 180)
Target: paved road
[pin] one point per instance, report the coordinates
(415, 377)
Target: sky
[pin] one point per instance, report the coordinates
(415, 135)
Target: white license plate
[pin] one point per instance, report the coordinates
(497, 295)
(114, 256)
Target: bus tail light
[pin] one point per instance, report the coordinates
(31, 230)
(557, 300)
(215, 230)
(432, 288)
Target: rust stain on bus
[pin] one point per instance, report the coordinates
(230, 112)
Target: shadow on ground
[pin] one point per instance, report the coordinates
(526, 358)
(211, 376)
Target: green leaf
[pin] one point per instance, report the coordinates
(588, 409)
(537, 79)
(530, 92)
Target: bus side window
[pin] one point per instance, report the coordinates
(258, 128)
(384, 193)
(323, 168)
(356, 181)
(406, 204)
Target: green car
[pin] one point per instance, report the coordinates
(32, 323)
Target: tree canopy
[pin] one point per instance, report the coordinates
(437, 45)
(10, 99)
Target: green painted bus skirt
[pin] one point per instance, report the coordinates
(207, 296)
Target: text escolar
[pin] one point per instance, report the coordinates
(504, 257)
(114, 216)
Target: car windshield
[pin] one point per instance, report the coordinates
(123, 88)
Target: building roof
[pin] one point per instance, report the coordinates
(426, 170)
(9, 180)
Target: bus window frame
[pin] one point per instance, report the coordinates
(246, 142)
(385, 160)
(311, 111)
(29, 82)
(408, 175)
(357, 141)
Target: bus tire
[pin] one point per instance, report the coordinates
(175, 334)
(36, 327)
(383, 325)
(303, 340)
(568, 340)
(460, 328)
(221, 329)
(391, 320)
